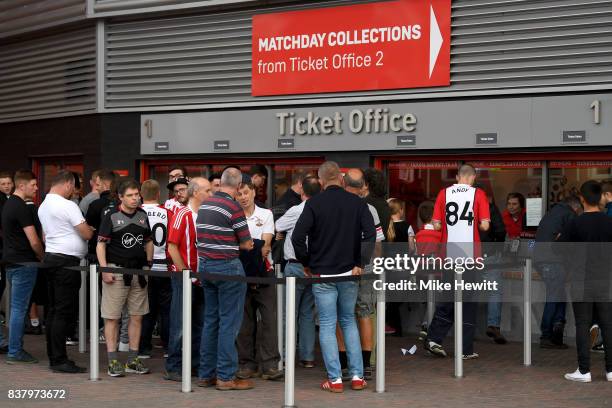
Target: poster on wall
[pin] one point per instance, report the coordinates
(374, 46)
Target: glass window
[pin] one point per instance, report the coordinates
(414, 182)
(566, 177)
(48, 168)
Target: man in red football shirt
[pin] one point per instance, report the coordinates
(183, 251)
(460, 211)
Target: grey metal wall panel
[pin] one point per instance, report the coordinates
(107, 8)
(497, 46)
(22, 16)
(517, 123)
(51, 75)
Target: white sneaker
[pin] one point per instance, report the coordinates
(124, 346)
(577, 376)
(609, 376)
(470, 356)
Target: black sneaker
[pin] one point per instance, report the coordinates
(72, 341)
(546, 343)
(136, 367)
(22, 358)
(367, 373)
(345, 375)
(115, 369)
(495, 334)
(4, 349)
(272, 374)
(172, 376)
(68, 367)
(145, 354)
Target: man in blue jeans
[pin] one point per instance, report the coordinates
(222, 230)
(22, 244)
(304, 300)
(327, 240)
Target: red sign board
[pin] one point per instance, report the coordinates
(386, 45)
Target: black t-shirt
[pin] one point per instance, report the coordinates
(125, 236)
(16, 215)
(94, 216)
(595, 228)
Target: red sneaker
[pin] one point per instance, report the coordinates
(327, 385)
(359, 384)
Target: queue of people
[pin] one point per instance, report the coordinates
(218, 226)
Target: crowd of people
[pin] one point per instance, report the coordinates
(217, 225)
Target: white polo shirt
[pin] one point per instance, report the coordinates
(58, 218)
(261, 222)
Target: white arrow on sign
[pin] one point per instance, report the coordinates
(435, 40)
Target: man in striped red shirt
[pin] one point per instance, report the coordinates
(222, 231)
(183, 251)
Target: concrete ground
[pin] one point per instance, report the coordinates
(496, 379)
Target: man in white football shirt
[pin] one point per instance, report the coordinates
(460, 211)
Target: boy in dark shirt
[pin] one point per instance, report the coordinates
(124, 240)
(594, 229)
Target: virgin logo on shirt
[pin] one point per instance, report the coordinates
(129, 240)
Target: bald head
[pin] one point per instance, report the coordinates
(329, 174)
(199, 189)
(354, 181)
(466, 174)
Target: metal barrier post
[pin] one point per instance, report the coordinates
(458, 327)
(431, 301)
(279, 316)
(186, 375)
(380, 340)
(94, 318)
(527, 312)
(83, 309)
(290, 344)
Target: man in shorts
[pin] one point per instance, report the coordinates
(125, 241)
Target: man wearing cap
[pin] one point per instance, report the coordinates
(178, 187)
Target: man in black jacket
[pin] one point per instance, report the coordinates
(335, 223)
(551, 268)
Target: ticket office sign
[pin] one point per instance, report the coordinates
(374, 46)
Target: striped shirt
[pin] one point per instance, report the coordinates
(221, 227)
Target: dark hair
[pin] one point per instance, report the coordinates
(311, 186)
(606, 186)
(23, 175)
(426, 210)
(518, 196)
(375, 180)
(573, 201)
(178, 167)
(215, 176)
(6, 174)
(126, 184)
(591, 192)
(106, 175)
(258, 169)
(297, 177)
